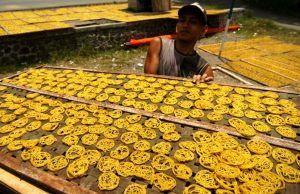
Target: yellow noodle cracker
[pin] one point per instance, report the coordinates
(205, 178)
(201, 137)
(209, 148)
(135, 189)
(180, 113)
(286, 132)
(7, 128)
(105, 144)
(185, 104)
(283, 155)
(162, 148)
(136, 127)
(226, 183)
(258, 146)
(221, 109)
(190, 145)
(263, 163)
(223, 191)
(163, 182)
(162, 162)
(125, 169)
(143, 171)
(70, 140)
(147, 133)
(107, 164)
(30, 143)
(232, 157)
(77, 168)
(97, 129)
(195, 188)
(251, 114)
(226, 171)
(292, 120)
(34, 125)
(57, 163)
(49, 126)
(75, 151)
(167, 127)
(170, 101)
(258, 107)
(139, 157)
(121, 123)
(15, 145)
(247, 175)
(276, 110)
(269, 101)
(129, 137)
(47, 140)
(182, 171)
(214, 116)
(92, 156)
(196, 113)
(120, 152)
(111, 132)
(27, 153)
(184, 155)
(236, 112)
(288, 173)
(66, 130)
(261, 126)
(208, 161)
(115, 114)
(152, 123)
(134, 118)
(166, 109)
(89, 139)
(171, 136)
(39, 159)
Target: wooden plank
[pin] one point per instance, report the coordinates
(40, 178)
(18, 184)
(194, 123)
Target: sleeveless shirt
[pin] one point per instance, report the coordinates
(173, 63)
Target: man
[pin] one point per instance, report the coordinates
(178, 57)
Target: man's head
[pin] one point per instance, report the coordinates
(194, 9)
(192, 23)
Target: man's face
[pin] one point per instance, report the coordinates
(189, 28)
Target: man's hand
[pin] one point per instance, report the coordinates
(203, 78)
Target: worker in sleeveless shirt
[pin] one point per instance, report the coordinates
(178, 57)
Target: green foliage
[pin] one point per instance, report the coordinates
(287, 7)
(251, 26)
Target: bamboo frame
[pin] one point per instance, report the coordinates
(15, 75)
(251, 63)
(193, 123)
(42, 179)
(179, 78)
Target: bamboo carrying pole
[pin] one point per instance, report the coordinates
(226, 27)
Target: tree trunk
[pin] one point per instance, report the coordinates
(161, 5)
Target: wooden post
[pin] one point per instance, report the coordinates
(161, 5)
(139, 5)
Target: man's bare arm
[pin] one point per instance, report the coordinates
(152, 59)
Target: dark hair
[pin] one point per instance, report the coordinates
(194, 10)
